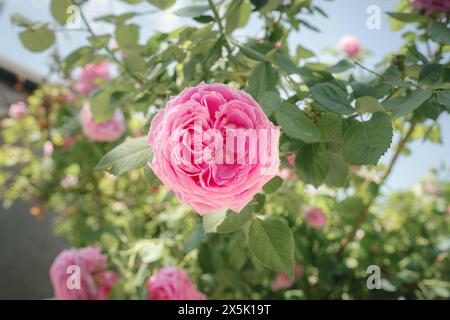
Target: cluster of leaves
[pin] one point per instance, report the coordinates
(331, 119)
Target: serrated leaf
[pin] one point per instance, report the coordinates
(332, 98)
(270, 102)
(365, 142)
(329, 124)
(312, 163)
(444, 99)
(402, 106)
(368, 105)
(272, 243)
(234, 221)
(296, 124)
(131, 154)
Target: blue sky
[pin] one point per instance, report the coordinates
(346, 17)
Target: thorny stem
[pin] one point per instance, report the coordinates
(365, 211)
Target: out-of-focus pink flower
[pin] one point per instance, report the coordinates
(432, 6)
(18, 110)
(315, 218)
(278, 44)
(171, 283)
(350, 45)
(48, 149)
(359, 234)
(70, 141)
(282, 281)
(285, 173)
(194, 157)
(69, 181)
(82, 275)
(70, 96)
(108, 131)
(291, 159)
(91, 77)
(431, 189)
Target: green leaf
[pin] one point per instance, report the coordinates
(329, 124)
(270, 102)
(407, 17)
(332, 98)
(402, 106)
(237, 15)
(127, 36)
(252, 54)
(151, 177)
(204, 19)
(365, 142)
(263, 78)
(191, 11)
(58, 9)
(99, 41)
(368, 105)
(296, 124)
(270, 6)
(212, 220)
(312, 162)
(37, 39)
(431, 73)
(234, 221)
(162, 4)
(439, 32)
(131, 154)
(341, 66)
(272, 243)
(338, 170)
(102, 108)
(283, 60)
(258, 202)
(444, 99)
(273, 185)
(304, 53)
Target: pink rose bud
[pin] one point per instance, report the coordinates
(171, 283)
(315, 218)
(69, 181)
(48, 149)
(91, 76)
(350, 45)
(432, 6)
(82, 274)
(291, 159)
(18, 110)
(282, 281)
(214, 147)
(108, 131)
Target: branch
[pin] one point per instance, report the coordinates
(365, 211)
(220, 25)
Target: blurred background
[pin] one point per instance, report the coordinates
(27, 246)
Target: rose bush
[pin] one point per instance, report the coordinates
(334, 126)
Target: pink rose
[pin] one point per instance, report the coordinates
(48, 149)
(91, 77)
(94, 282)
(432, 6)
(350, 45)
(285, 174)
(108, 131)
(291, 159)
(18, 110)
(171, 283)
(214, 147)
(282, 281)
(315, 218)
